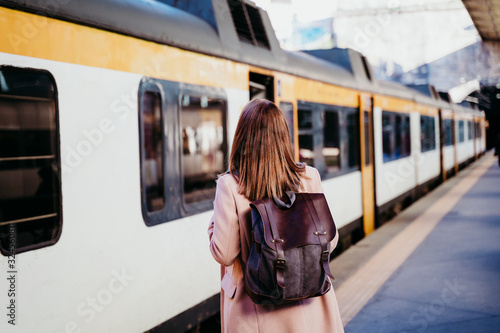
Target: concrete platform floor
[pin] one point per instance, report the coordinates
(449, 282)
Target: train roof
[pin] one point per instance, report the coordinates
(357, 64)
(191, 28)
(235, 30)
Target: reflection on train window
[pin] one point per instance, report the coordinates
(461, 134)
(448, 131)
(152, 148)
(427, 133)
(329, 138)
(30, 212)
(353, 139)
(287, 110)
(331, 141)
(469, 130)
(306, 136)
(306, 149)
(203, 146)
(367, 124)
(396, 139)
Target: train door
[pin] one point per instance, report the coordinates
(455, 142)
(473, 128)
(367, 162)
(442, 139)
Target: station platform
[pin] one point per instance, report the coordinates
(433, 268)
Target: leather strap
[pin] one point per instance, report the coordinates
(325, 253)
(278, 244)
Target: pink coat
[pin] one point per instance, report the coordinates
(229, 232)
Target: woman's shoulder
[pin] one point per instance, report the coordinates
(311, 180)
(311, 173)
(227, 179)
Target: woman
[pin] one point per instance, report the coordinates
(261, 165)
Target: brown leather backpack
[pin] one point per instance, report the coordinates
(290, 250)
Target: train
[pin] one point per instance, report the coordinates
(116, 118)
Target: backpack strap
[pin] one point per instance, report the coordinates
(325, 253)
(278, 243)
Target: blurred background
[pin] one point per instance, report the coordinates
(416, 42)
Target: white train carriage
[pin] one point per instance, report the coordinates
(428, 154)
(448, 148)
(395, 145)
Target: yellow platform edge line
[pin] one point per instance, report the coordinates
(356, 291)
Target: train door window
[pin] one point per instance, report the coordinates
(306, 136)
(153, 139)
(448, 126)
(204, 147)
(399, 134)
(388, 143)
(331, 141)
(461, 134)
(261, 86)
(469, 130)
(287, 109)
(404, 140)
(30, 188)
(353, 139)
(367, 125)
(427, 133)
(153, 148)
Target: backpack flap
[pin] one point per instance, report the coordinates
(293, 237)
(296, 225)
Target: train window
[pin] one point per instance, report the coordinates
(469, 130)
(30, 195)
(331, 141)
(203, 146)
(305, 119)
(306, 149)
(353, 139)
(396, 136)
(329, 138)
(367, 124)
(448, 130)
(461, 134)
(306, 136)
(477, 131)
(152, 149)
(287, 109)
(183, 135)
(427, 133)
(405, 148)
(387, 136)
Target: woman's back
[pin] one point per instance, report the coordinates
(230, 239)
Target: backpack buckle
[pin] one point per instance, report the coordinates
(325, 255)
(280, 263)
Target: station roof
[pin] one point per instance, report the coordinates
(486, 17)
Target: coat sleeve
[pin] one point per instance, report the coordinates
(318, 183)
(224, 230)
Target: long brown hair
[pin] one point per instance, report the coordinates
(261, 156)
